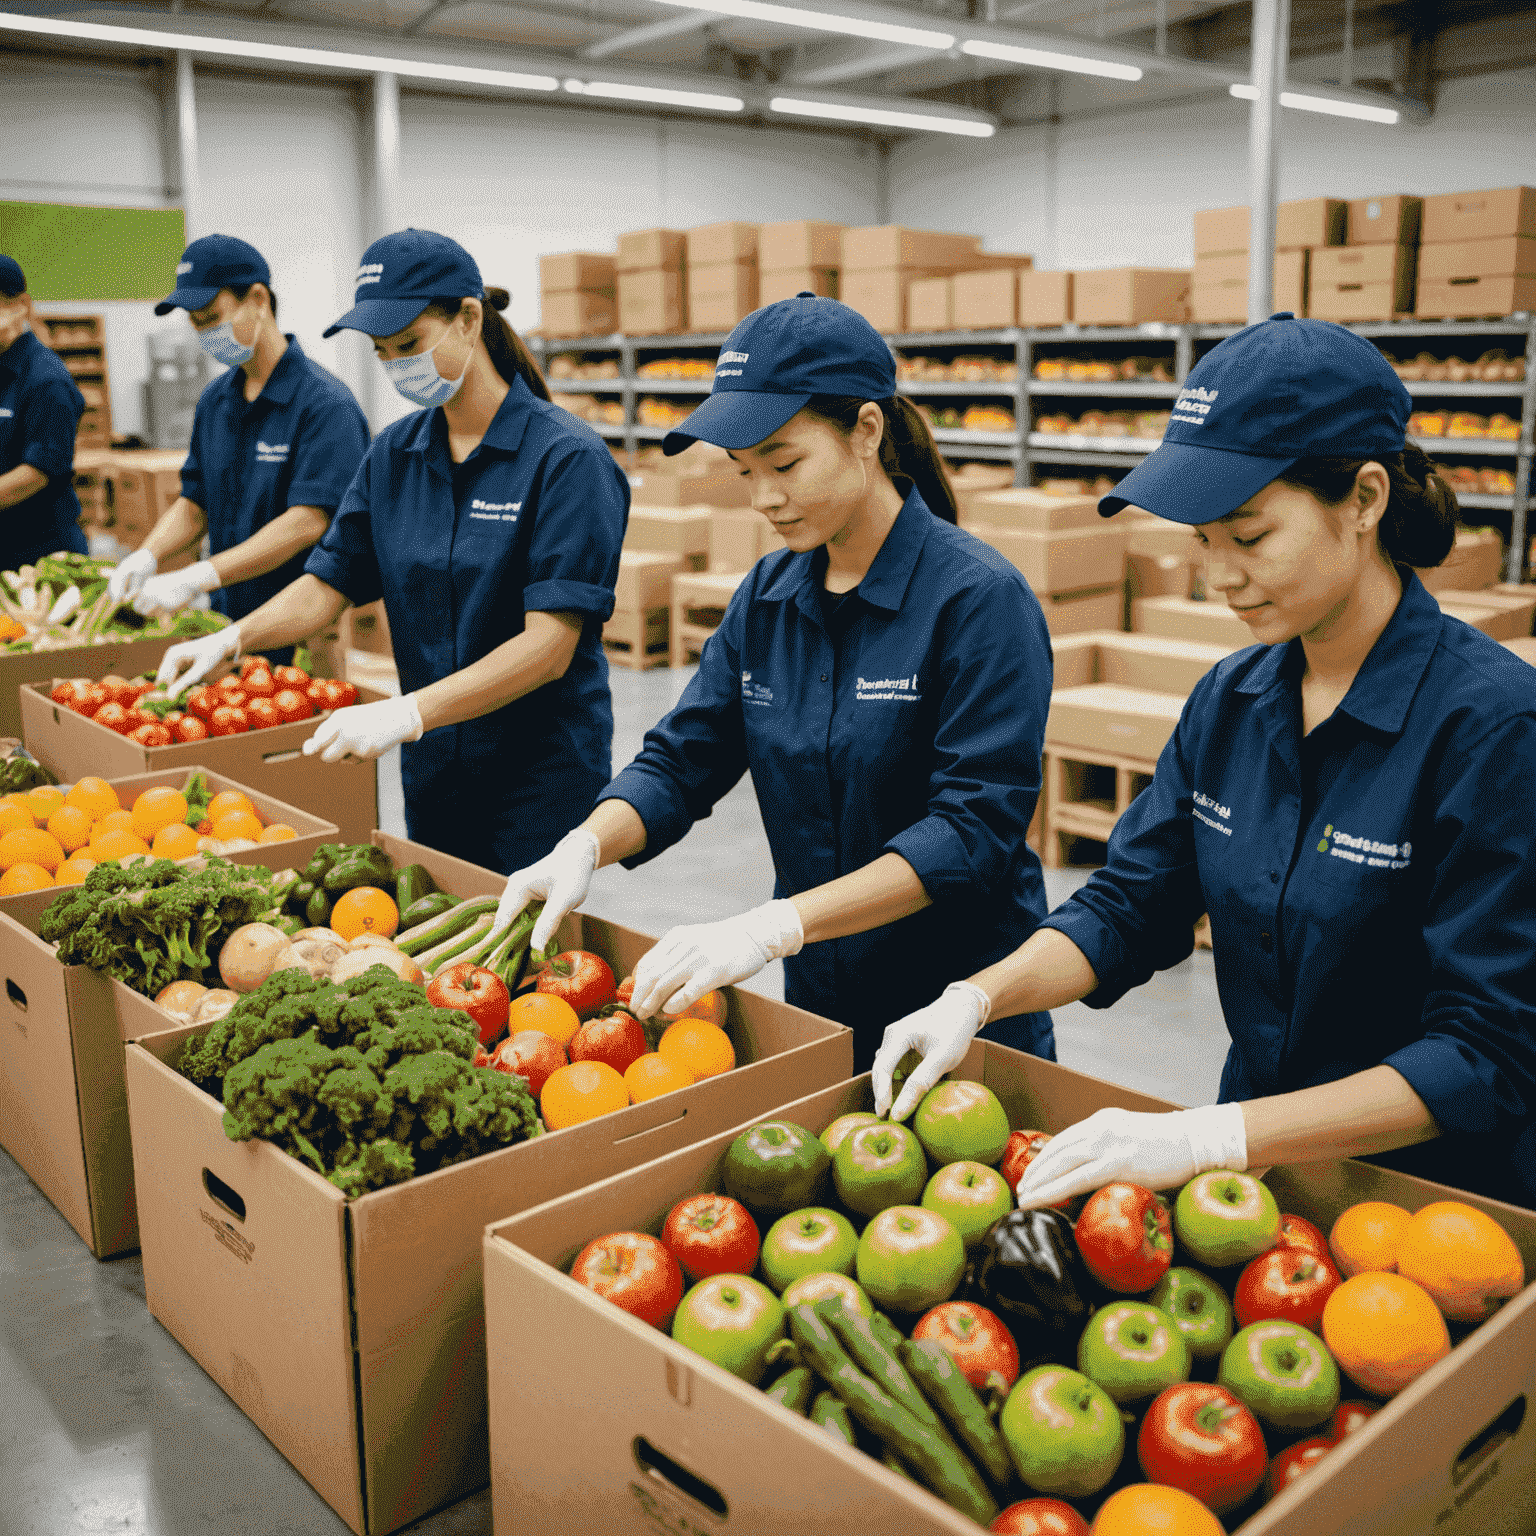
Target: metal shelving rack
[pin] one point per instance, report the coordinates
(1026, 450)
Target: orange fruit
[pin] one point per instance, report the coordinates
(1465, 1260)
(116, 844)
(366, 909)
(711, 1006)
(581, 1091)
(71, 826)
(157, 808)
(1366, 1237)
(73, 871)
(113, 821)
(176, 841)
(1150, 1509)
(234, 824)
(228, 800)
(1384, 1331)
(652, 1075)
(541, 1011)
(698, 1047)
(30, 845)
(44, 800)
(14, 815)
(277, 832)
(94, 796)
(24, 877)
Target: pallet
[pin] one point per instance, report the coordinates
(639, 638)
(1086, 793)
(699, 601)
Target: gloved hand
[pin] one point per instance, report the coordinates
(942, 1031)
(1159, 1151)
(133, 570)
(176, 589)
(366, 730)
(192, 660)
(698, 957)
(560, 880)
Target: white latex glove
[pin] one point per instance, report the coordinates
(560, 880)
(366, 730)
(1159, 1151)
(175, 589)
(66, 607)
(942, 1031)
(133, 570)
(698, 957)
(192, 660)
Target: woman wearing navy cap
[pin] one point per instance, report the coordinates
(489, 521)
(886, 680)
(1350, 800)
(40, 408)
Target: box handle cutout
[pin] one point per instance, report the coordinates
(15, 994)
(1350, 287)
(281, 757)
(1464, 282)
(659, 1465)
(222, 1195)
(651, 1130)
(1486, 1441)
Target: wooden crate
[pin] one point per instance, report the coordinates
(639, 638)
(1086, 793)
(80, 341)
(699, 601)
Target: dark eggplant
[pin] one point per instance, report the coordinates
(1028, 1270)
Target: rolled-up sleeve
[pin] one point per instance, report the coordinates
(573, 556)
(329, 447)
(52, 413)
(345, 558)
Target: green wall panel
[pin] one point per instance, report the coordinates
(91, 255)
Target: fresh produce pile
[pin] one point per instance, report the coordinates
(62, 602)
(1147, 425)
(52, 836)
(1494, 367)
(1098, 370)
(1139, 1363)
(967, 369)
(1498, 427)
(256, 697)
(970, 418)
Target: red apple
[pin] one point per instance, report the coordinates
(1296, 1460)
(617, 1038)
(1123, 1235)
(976, 1339)
(1288, 1283)
(532, 1054)
(1039, 1517)
(475, 990)
(1347, 1418)
(633, 1271)
(1197, 1436)
(1298, 1232)
(711, 1235)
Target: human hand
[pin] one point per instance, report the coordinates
(366, 730)
(192, 660)
(175, 589)
(695, 958)
(942, 1032)
(560, 880)
(133, 570)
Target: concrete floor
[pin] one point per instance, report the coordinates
(107, 1426)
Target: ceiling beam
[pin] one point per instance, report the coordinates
(416, 23)
(854, 60)
(652, 32)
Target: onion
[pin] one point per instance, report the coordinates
(252, 953)
(213, 1005)
(356, 961)
(181, 997)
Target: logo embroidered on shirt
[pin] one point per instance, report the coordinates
(1364, 850)
(5, 410)
(1224, 811)
(903, 689)
(271, 453)
(495, 511)
(755, 693)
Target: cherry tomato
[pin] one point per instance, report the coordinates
(228, 720)
(72, 692)
(254, 664)
(138, 688)
(202, 702)
(114, 717)
(292, 705)
(258, 684)
(344, 693)
(94, 700)
(190, 728)
(171, 717)
(152, 734)
(315, 691)
(263, 713)
(290, 677)
(138, 717)
(119, 689)
(232, 696)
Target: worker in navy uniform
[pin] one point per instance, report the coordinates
(1349, 799)
(275, 442)
(885, 679)
(489, 521)
(40, 408)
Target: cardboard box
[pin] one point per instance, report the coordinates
(652, 301)
(719, 244)
(577, 313)
(780, 283)
(889, 245)
(1355, 269)
(1508, 256)
(880, 294)
(1384, 220)
(739, 538)
(1160, 561)
(572, 270)
(63, 1112)
(1473, 298)
(1045, 298)
(1503, 615)
(270, 761)
(1179, 618)
(1025, 507)
(1524, 649)
(1476, 560)
(1221, 230)
(987, 299)
(1151, 663)
(931, 304)
(1076, 613)
(645, 579)
(1219, 286)
(351, 1332)
(656, 488)
(1479, 215)
(1130, 295)
(796, 243)
(648, 249)
(1068, 560)
(679, 531)
(719, 297)
(120, 658)
(1313, 221)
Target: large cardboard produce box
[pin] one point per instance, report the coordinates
(1460, 262)
(1479, 215)
(119, 658)
(352, 1332)
(1025, 507)
(642, 249)
(1066, 560)
(63, 1109)
(271, 760)
(1312, 221)
(1182, 618)
(987, 299)
(716, 244)
(890, 245)
(681, 531)
(1131, 295)
(931, 304)
(1362, 282)
(1045, 298)
(881, 294)
(578, 313)
(1219, 286)
(645, 579)
(657, 488)
(1475, 297)
(590, 270)
(800, 243)
(721, 294)
(1074, 613)
(1384, 220)
(739, 538)
(670, 1441)
(1160, 560)
(652, 300)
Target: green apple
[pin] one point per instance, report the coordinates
(1225, 1218)
(832, 1138)
(821, 1287)
(972, 1195)
(962, 1122)
(910, 1259)
(1064, 1432)
(805, 1243)
(1199, 1307)
(1283, 1372)
(732, 1320)
(1133, 1350)
(878, 1166)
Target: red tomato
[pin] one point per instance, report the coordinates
(1298, 1232)
(1287, 1283)
(530, 1054)
(119, 689)
(1022, 1149)
(617, 1038)
(258, 684)
(231, 696)
(711, 1235)
(1295, 1460)
(190, 728)
(580, 978)
(317, 690)
(138, 717)
(202, 702)
(263, 713)
(1125, 1238)
(633, 1271)
(254, 664)
(228, 720)
(344, 693)
(172, 717)
(1039, 1517)
(290, 677)
(94, 700)
(292, 705)
(138, 687)
(976, 1339)
(1197, 1436)
(475, 990)
(73, 692)
(114, 717)
(152, 735)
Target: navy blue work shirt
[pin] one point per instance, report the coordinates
(1371, 887)
(530, 522)
(914, 727)
(40, 408)
(297, 444)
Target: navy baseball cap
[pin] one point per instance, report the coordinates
(212, 263)
(13, 281)
(1282, 390)
(401, 274)
(776, 360)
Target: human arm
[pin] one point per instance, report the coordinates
(48, 412)
(19, 484)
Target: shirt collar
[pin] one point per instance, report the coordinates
(505, 431)
(16, 357)
(283, 382)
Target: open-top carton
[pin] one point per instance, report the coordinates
(601, 1423)
(352, 1332)
(121, 658)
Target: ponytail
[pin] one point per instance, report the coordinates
(907, 449)
(509, 357)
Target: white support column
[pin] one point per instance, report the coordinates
(180, 141)
(384, 214)
(1271, 53)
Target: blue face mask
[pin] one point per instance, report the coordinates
(416, 377)
(218, 341)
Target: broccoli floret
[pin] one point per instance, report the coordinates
(424, 1028)
(275, 1094)
(493, 1109)
(356, 1102)
(376, 1166)
(423, 1089)
(287, 1004)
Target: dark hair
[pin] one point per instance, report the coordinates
(510, 358)
(907, 448)
(242, 289)
(1419, 526)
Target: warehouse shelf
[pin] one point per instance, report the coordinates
(1473, 445)
(1480, 501)
(664, 342)
(1469, 388)
(1119, 447)
(674, 386)
(1004, 388)
(917, 340)
(587, 386)
(961, 438)
(1130, 389)
(648, 434)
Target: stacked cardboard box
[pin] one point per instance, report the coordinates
(576, 294)
(1045, 298)
(1220, 291)
(722, 275)
(739, 538)
(1479, 254)
(146, 482)
(984, 299)
(1372, 276)
(880, 263)
(1130, 295)
(800, 256)
(653, 296)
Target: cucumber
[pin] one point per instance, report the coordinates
(429, 934)
(425, 908)
(934, 1370)
(433, 960)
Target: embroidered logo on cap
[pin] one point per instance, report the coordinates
(1194, 405)
(183, 266)
(722, 372)
(372, 272)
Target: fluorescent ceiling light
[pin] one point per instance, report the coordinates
(1328, 104)
(1045, 60)
(798, 16)
(930, 122)
(651, 93)
(324, 58)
